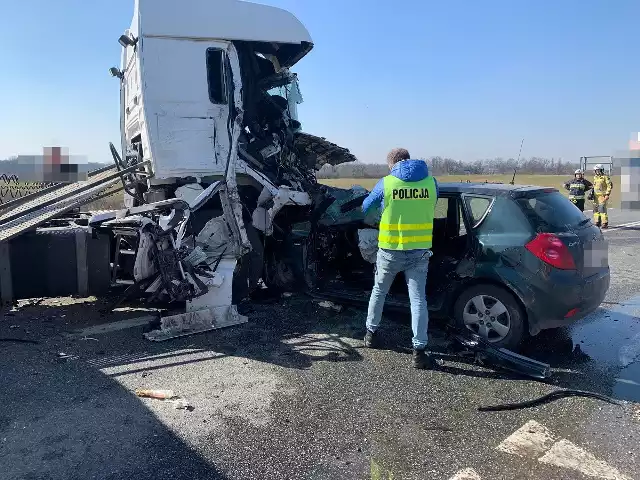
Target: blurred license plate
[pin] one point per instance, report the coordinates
(596, 254)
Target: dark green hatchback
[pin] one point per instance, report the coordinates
(507, 260)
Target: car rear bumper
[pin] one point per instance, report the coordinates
(566, 304)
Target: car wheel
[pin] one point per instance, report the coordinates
(493, 313)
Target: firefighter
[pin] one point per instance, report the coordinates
(407, 197)
(578, 187)
(602, 187)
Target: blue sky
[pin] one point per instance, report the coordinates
(466, 79)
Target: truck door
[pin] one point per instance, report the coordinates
(191, 99)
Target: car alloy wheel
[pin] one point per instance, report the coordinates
(488, 317)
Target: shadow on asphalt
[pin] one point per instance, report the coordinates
(63, 419)
(67, 419)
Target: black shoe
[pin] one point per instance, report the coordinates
(370, 340)
(605, 225)
(422, 360)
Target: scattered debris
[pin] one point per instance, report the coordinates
(159, 394)
(90, 338)
(182, 404)
(501, 357)
(287, 294)
(549, 397)
(66, 356)
(166, 395)
(330, 305)
(636, 413)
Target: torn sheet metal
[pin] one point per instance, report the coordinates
(270, 205)
(198, 321)
(503, 358)
(220, 285)
(215, 240)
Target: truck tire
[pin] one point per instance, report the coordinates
(493, 313)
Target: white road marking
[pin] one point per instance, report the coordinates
(565, 454)
(618, 227)
(534, 440)
(466, 474)
(530, 440)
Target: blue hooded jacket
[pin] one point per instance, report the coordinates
(406, 170)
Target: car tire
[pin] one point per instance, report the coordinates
(465, 309)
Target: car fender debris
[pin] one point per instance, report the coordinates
(549, 397)
(502, 358)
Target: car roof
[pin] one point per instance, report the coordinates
(494, 189)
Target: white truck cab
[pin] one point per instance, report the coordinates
(184, 95)
(209, 108)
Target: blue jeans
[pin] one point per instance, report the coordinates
(415, 265)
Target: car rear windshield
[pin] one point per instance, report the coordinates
(551, 210)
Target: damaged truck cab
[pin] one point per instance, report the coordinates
(209, 107)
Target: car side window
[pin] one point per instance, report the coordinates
(477, 207)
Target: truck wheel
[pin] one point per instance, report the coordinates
(493, 313)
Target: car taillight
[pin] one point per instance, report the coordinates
(550, 249)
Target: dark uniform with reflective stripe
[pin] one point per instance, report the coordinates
(577, 189)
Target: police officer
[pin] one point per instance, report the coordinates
(602, 187)
(407, 197)
(578, 186)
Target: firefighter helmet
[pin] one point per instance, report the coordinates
(578, 172)
(598, 167)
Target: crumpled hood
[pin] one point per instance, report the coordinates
(410, 170)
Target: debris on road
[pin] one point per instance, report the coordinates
(549, 397)
(502, 358)
(66, 356)
(330, 305)
(158, 394)
(182, 404)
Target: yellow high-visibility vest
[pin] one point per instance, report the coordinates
(407, 219)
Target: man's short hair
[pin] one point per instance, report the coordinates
(397, 155)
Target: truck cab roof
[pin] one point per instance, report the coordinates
(231, 20)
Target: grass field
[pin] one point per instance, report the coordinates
(115, 201)
(555, 181)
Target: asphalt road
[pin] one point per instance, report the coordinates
(292, 394)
